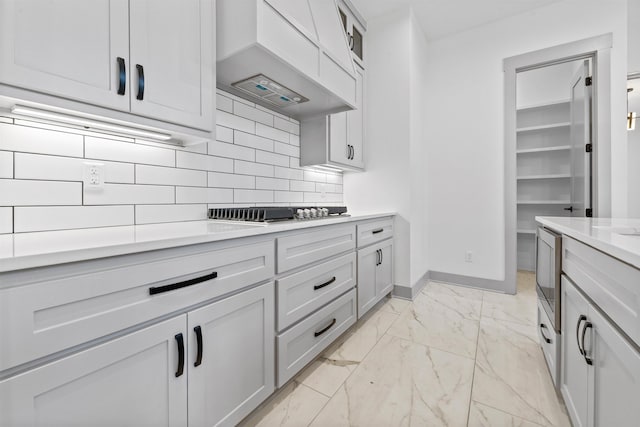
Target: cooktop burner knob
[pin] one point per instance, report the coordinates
(314, 213)
(307, 213)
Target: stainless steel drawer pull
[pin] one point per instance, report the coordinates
(333, 322)
(160, 289)
(327, 283)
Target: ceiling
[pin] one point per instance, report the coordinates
(441, 18)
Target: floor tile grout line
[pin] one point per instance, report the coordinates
(475, 362)
(509, 413)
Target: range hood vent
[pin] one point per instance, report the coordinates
(270, 91)
(299, 43)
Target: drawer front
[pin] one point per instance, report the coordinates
(374, 231)
(302, 343)
(42, 318)
(303, 293)
(301, 249)
(613, 285)
(550, 343)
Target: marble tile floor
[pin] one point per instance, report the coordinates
(454, 356)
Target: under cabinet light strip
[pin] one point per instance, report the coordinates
(81, 121)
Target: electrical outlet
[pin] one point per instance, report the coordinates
(468, 256)
(93, 175)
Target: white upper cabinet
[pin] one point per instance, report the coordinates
(171, 46)
(45, 47)
(148, 59)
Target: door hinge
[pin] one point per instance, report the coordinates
(589, 213)
(588, 81)
(588, 148)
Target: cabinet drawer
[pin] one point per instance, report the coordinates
(549, 341)
(48, 316)
(610, 283)
(302, 343)
(374, 231)
(302, 293)
(300, 249)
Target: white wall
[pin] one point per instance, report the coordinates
(634, 100)
(395, 177)
(465, 122)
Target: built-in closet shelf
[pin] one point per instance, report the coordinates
(527, 232)
(544, 105)
(544, 149)
(549, 176)
(544, 127)
(544, 202)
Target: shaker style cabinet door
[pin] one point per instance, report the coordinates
(231, 357)
(368, 259)
(355, 120)
(384, 278)
(130, 381)
(75, 49)
(172, 60)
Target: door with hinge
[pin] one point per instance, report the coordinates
(231, 359)
(581, 142)
(172, 60)
(74, 49)
(135, 380)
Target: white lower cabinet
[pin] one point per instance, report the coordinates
(375, 278)
(130, 381)
(600, 374)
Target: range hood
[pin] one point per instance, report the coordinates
(291, 56)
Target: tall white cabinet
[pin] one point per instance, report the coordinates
(543, 170)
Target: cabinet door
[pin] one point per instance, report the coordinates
(237, 368)
(574, 371)
(130, 381)
(355, 121)
(173, 42)
(339, 151)
(614, 381)
(67, 48)
(384, 277)
(368, 259)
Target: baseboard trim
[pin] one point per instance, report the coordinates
(410, 292)
(468, 281)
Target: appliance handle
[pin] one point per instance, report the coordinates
(327, 283)
(542, 328)
(317, 334)
(160, 289)
(198, 331)
(581, 319)
(180, 341)
(584, 332)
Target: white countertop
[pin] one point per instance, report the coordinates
(619, 238)
(28, 250)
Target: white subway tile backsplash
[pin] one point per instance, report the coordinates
(253, 141)
(235, 122)
(288, 173)
(302, 186)
(203, 195)
(14, 192)
(150, 214)
(37, 166)
(271, 133)
(106, 149)
(286, 149)
(203, 162)
(256, 169)
(6, 220)
(223, 103)
(229, 180)
(288, 197)
(40, 218)
(6, 164)
(272, 184)
(272, 158)
(31, 140)
(224, 134)
(252, 196)
(232, 151)
(254, 161)
(170, 176)
(252, 113)
(129, 194)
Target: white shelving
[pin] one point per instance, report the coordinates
(543, 170)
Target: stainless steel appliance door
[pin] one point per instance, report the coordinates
(548, 269)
